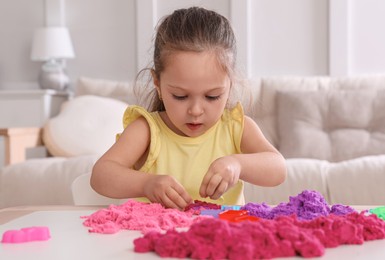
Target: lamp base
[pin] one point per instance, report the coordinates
(53, 76)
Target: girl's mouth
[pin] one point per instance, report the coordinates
(192, 126)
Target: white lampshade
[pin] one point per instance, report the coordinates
(52, 43)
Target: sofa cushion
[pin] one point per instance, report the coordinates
(302, 174)
(85, 125)
(265, 107)
(358, 181)
(333, 125)
(120, 90)
(44, 181)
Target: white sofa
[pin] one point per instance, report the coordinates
(331, 131)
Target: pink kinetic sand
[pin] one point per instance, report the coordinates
(282, 237)
(135, 215)
(199, 205)
(26, 235)
(304, 226)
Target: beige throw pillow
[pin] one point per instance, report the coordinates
(120, 90)
(85, 125)
(333, 125)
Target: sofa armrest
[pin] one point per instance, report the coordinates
(17, 140)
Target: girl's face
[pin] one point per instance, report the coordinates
(194, 89)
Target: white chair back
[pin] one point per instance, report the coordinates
(83, 194)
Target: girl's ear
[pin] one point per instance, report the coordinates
(155, 78)
(156, 82)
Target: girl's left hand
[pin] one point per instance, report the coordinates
(223, 174)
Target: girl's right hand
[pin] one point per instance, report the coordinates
(166, 190)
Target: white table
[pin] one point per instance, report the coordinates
(71, 240)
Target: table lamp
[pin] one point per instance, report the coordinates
(52, 45)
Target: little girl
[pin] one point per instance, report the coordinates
(190, 144)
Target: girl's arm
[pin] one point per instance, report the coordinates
(113, 175)
(261, 164)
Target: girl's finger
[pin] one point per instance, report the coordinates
(213, 184)
(167, 202)
(221, 189)
(176, 198)
(183, 193)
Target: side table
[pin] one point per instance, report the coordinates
(29, 108)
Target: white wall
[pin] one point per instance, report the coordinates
(103, 33)
(289, 37)
(112, 38)
(367, 36)
(18, 19)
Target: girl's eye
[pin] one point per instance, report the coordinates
(213, 97)
(179, 97)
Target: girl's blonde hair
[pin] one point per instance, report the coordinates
(193, 29)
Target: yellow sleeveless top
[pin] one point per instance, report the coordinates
(188, 158)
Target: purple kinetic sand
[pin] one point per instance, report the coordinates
(339, 209)
(306, 206)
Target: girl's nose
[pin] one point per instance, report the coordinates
(195, 109)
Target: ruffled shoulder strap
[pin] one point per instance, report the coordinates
(235, 119)
(133, 112)
(237, 113)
